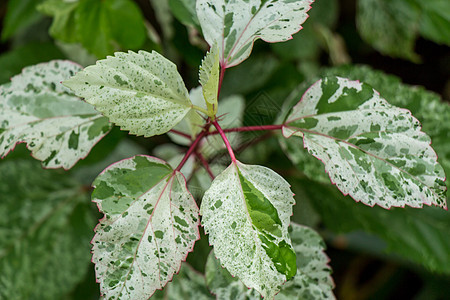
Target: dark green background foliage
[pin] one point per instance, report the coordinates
(47, 219)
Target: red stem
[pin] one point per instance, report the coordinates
(191, 149)
(180, 133)
(222, 74)
(205, 164)
(225, 140)
(248, 128)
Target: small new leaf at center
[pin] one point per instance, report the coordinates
(209, 79)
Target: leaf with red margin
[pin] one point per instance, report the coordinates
(57, 126)
(150, 225)
(235, 25)
(372, 151)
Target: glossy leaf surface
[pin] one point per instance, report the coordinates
(150, 225)
(57, 126)
(234, 25)
(246, 213)
(373, 151)
(141, 92)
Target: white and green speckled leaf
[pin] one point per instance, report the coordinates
(57, 126)
(150, 225)
(187, 284)
(209, 79)
(373, 151)
(141, 92)
(312, 281)
(246, 213)
(223, 285)
(234, 24)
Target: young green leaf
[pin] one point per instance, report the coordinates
(235, 25)
(150, 225)
(373, 151)
(246, 213)
(45, 227)
(209, 79)
(187, 284)
(57, 126)
(312, 281)
(141, 92)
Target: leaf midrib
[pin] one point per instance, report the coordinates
(368, 153)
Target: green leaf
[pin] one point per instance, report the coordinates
(390, 26)
(150, 225)
(373, 151)
(246, 213)
(19, 14)
(435, 20)
(45, 228)
(57, 126)
(188, 284)
(243, 22)
(184, 11)
(141, 92)
(63, 26)
(121, 24)
(312, 281)
(420, 235)
(306, 46)
(209, 79)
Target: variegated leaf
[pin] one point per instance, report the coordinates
(150, 225)
(141, 92)
(223, 285)
(312, 281)
(246, 213)
(234, 24)
(209, 79)
(187, 284)
(57, 126)
(373, 151)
